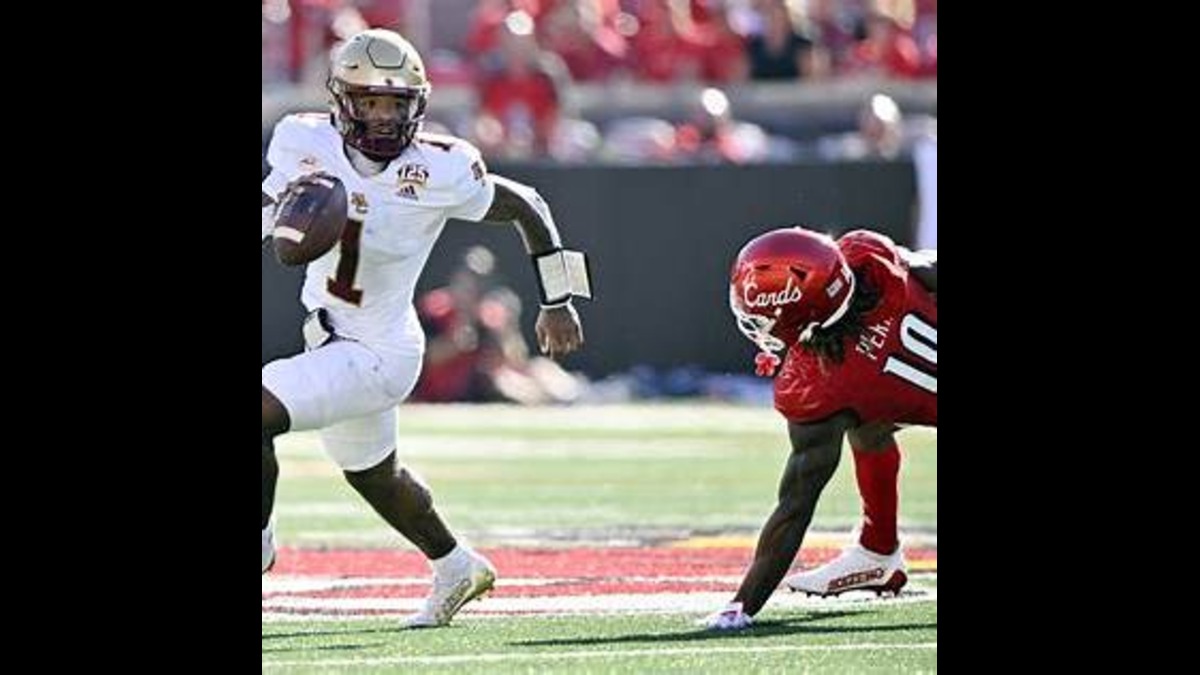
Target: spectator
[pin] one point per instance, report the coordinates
(520, 94)
(475, 351)
(781, 52)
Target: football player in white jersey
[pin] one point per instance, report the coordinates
(364, 343)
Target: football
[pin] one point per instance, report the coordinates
(311, 216)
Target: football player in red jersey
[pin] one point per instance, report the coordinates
(851, 327)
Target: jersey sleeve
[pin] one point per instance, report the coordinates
(293, 144)
(876, 256)
(296, 147)
(272, 187)
(301, 144)
(460, 183)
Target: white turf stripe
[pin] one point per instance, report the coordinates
(286, 584)
(279, 583)
(314, 609)
(455, 659)
(289, 233)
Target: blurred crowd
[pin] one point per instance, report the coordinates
(475, 350)
(522, 57)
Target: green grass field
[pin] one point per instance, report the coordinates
(505, 476)
(674, 467)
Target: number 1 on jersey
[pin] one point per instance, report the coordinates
(342, 286)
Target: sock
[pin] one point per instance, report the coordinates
(449, 561)
(878, 475)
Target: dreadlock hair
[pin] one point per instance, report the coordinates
(830, 343)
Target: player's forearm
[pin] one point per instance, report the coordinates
(777, 547)
(522, 206)
(816, 451)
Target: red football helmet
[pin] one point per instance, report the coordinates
(784, 284)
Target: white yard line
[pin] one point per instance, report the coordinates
(290, 608)
(306, 584)
(460, 659)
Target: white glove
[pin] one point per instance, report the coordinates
(730, 618)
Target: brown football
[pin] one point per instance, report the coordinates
(310, 219)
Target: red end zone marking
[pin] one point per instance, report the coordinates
(583, 585)
(596, 564)
(335, 584)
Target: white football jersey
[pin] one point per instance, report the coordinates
(368, 280)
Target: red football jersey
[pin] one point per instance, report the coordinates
(889, 373)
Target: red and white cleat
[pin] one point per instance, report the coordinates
(856, 569)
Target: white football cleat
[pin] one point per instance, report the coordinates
(856, 569)
(458, 579)
(268, 548)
